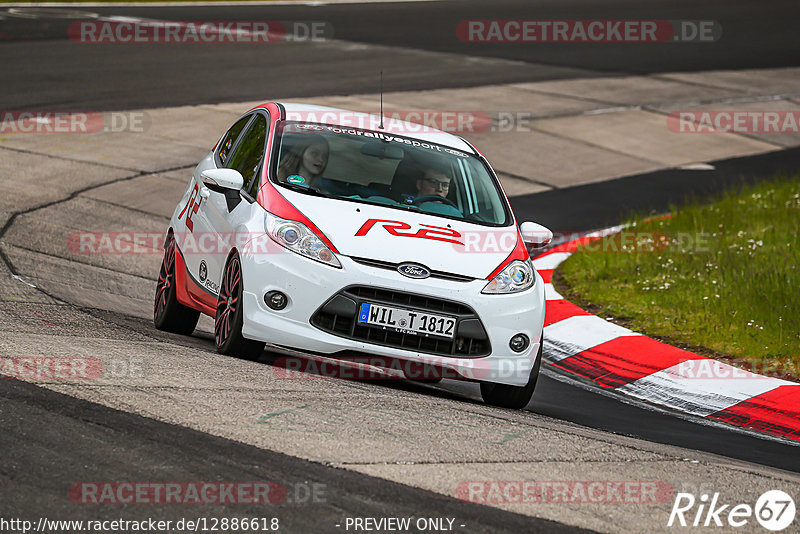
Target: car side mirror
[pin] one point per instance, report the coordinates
(535, 235)
(229, 182)
(221, 179)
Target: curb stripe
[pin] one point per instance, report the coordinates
(550, 293)
(624, 360)
(558, 310)
(614, 357)
(775, 412)
(697, 396)
(575, 334)
(550, 260)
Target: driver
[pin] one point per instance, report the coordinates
(432, 189)
(433, 182)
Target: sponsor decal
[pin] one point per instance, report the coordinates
(191, 207)
(295, 179)
(203, 271)
(427, 231)
(337, 128)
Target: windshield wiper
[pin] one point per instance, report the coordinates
(307, 189)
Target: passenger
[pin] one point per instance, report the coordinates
(308, 159)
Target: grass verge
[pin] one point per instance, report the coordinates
(721, 279)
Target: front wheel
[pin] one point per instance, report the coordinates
(515, 397)
(169, 314)
(229, 318)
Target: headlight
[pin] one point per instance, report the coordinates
(298, 238)
(517, 276)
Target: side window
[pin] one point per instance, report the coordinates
(229, 140)
(249, 154)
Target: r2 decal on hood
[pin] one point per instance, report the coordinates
(437, 233)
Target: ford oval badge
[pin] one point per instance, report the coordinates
(412, 270)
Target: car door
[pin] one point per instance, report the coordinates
(221, 213)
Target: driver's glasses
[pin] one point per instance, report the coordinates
(438, 184)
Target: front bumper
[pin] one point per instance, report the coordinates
(309, 285)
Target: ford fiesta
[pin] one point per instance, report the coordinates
(340, 233)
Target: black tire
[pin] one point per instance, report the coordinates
(229, 318)
(515, 397)
(169, 314)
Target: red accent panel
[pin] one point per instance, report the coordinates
(272, 201)
(188, 292)
(208, 303)
(547, 275)
(623, 360)
(558, 310)
(268, 195)
(520, 252)
(775, 412)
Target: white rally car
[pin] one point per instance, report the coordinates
(338, 233)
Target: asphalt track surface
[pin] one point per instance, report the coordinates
(56, 427)
(415, 44)
(64, 434)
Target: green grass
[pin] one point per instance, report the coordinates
(720, 278)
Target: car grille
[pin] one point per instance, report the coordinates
(393, 267)
(338, 317)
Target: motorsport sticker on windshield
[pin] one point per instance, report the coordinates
(304, 127)
(295, 179)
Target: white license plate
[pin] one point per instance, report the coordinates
(414, 322)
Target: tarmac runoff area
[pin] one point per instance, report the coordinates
(58, 303)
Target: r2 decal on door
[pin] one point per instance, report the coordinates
(191, 207)
(437, 233)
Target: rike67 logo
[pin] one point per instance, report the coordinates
(774, 510)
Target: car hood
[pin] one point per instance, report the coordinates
(396, 236)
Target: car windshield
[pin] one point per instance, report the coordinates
(386, 169)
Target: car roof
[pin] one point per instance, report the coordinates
(369, 121)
